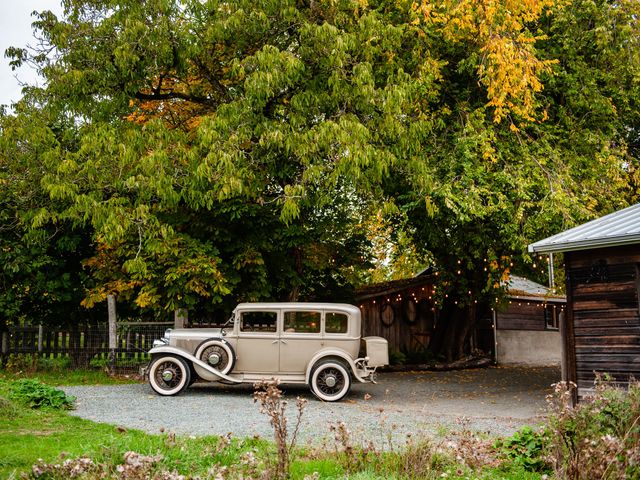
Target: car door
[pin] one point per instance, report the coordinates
(258, 347)
(300, 339)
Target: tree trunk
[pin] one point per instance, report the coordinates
(453, 330)
(294, 294)
(453, 333)
(466, 330)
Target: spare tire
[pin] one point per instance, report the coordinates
(217, 353)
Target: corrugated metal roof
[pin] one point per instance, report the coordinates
(618, 228)
(523, 287)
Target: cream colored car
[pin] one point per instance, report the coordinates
(316, 344)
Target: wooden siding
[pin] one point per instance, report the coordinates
(402, 334)
(605, 313)
(522, 316)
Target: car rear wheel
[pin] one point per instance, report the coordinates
(169, 375)
(330, 380)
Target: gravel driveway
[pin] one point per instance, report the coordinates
(495, 400)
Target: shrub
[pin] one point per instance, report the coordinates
(39, 395)
(19, 363)
(525, 448)
(397, 358)
(598, 438)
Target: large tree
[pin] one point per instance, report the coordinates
(226, 150)
(513, 166)
(239, 150)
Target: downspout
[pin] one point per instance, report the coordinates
(552, 280)
(494, 316)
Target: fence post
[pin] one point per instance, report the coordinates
(111, 307)
(181, 318)
(40, 334)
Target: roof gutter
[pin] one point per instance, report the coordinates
(589, 244)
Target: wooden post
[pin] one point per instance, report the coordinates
(5, 343)
(568, 367)
(111, 307)
(40, 334)
(181, 318)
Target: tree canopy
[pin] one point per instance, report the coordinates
(196, 153)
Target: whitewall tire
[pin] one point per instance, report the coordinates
(330, 380)
(169, 375)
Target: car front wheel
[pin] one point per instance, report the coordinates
(169, 375)
(330, 381)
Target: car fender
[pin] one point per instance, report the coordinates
(188, 356)
(332, 353)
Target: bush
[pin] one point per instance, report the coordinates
(525, 448)
(397, 358)
(39, 395)
(19, 363)
(598, 438)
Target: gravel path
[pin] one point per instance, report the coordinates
(494, 400)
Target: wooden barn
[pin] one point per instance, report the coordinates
(601, 331)
(401, 311)
(525, 331)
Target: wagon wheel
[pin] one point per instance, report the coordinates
(330, 381)
(410, 310)
(387, 315)
(169, 375)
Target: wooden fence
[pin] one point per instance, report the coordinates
(85, 345)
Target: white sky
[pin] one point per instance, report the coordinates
(15, 31)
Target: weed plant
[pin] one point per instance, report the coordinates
(526, 448)
(35, 394)
(598, 438)
(273, 405)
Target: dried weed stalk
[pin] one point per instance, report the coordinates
(273, 405)
(134, 467)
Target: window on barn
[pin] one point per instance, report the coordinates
(551, 317)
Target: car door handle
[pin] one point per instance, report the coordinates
(274, 342)
(284, 341)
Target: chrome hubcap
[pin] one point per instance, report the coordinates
(167, 375)
(330, 381)
(214, 358)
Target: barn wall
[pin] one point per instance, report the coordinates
(402, 334)
(522, 316)
(604, 315)
(522, 335)
(534, 348)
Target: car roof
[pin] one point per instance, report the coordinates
(341, 307)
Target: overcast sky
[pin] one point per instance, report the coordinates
(15, 31)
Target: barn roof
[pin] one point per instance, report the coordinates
(618, 228)
(520, 287)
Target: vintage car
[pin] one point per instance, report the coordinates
(316, 344)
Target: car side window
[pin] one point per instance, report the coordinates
(263, 322)
(302, 322)
(336, 323)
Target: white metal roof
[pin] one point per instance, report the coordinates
(618, 228)
(520, 287)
